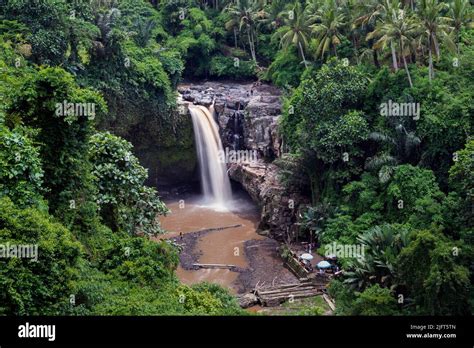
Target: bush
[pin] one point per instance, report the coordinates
(459, 206)
(97, 293)
(124, 200)
(375, 301)
(21, 174)
(343, 295)
(39, 287)
(140, 260)
(412, 195)
(433, 273)
(200, 302)
(228, 67)
(286, 69)
(229, 302)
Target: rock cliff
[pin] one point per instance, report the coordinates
(247, 115)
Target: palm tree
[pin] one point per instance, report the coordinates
(382, 244)
(355, 34)
(402, 146)
(314, 218)
(210, 3)
(460, 14)
(397, 30)
(274, 14)
(408, 31)
(386, 30)
(295, 31)
(370, 13)
(329, 22)
(143, 31)
(435, 29)
(107, 38)
(236, 11)
(313, 6)
(245, 15)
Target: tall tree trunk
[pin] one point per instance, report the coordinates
(235, 37)
(73, 58)
(413, 57)
(314, 189)
(436, 46)
(430, 64)
(302, 54)
(252, 45)
(376, 58)
(458, 39)
(394, 57)
(406, 67)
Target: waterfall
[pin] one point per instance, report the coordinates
(214, 180)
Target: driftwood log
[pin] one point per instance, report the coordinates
(215, 229)
(214, 265)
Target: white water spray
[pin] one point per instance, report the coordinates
(214, 180)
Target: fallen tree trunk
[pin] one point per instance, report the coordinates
(277, 300)
(214, 265)
(215, 229)
(290, 292)
(329, 302)
(293, 289)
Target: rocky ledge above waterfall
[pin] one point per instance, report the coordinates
(247, 113)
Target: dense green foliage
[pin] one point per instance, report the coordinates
(76, 193)
(401, 186)
(124, 201)
(398, 185)
(21, 173)
(40, 286)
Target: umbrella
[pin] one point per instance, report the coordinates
(324, 264)
(331, 256)
(307, 257)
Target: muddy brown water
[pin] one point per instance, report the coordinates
(215, 247)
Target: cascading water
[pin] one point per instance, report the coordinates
(214, 180)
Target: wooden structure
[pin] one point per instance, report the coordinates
(274, 296)
(296, 266)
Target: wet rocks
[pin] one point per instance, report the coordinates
(248, 300)
(279, 204)
(247, 113)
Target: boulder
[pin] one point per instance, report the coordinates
(248, 300)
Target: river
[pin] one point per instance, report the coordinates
(255, 256)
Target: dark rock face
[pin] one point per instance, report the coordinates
(279, 204)
(167, 151)
(247, 115)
